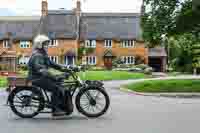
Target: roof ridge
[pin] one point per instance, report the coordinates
(111, 14)
(19, 18)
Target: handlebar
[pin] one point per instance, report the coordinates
(74, 68)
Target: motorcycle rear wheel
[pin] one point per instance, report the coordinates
(26, 101)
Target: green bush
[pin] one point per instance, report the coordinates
(23, 67)
(3, 67)
(142, 66)
(148, 70)
(125, 65)
(97, 68)
(139, 60)
(117, 62)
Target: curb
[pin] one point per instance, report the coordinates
(172, 95)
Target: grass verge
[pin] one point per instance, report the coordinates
(166, 86)
(111, 75)
(3, 82)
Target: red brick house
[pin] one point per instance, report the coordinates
(110, 35)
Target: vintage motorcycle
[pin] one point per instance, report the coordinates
(91, 98)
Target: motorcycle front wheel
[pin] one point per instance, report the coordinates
(92, 102)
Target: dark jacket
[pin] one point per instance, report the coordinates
(39, 64)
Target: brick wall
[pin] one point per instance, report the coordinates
(118, 51)
(70, 45)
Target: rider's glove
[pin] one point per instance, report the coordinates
(59, 78)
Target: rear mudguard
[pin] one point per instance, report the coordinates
(14, 90)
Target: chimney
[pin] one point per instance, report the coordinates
(78, 8)
(44, 8)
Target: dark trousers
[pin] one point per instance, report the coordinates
(56, 90)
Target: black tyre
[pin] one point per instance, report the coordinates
(28, 97)
(93, 102)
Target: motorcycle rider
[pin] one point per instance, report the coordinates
(38, 66)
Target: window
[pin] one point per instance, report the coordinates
(23, 60)
(54, 58)
(5, 44)
(53, 43)
(128, 59)
(108, 44)
(127, 43)
(91, 60)
(24, 44)
(90, 43)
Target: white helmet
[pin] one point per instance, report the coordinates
(39, 41)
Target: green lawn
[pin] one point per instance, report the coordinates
(3, 81)
(95, 75)
(111, 75)
(162, 86)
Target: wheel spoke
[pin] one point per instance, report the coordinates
(97, 95)
(19, 98)
(97, 107)
(26, 102)
(86, 106)
(93, 110)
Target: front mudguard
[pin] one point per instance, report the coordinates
(94, 83)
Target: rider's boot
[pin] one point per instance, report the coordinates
(58, 112)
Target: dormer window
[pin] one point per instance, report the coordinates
(25, 44)
(6, 44)
(108, 44)
(127, 43)
(90, 43)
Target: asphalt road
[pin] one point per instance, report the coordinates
(128, 113)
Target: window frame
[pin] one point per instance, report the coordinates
(108, 43)
(128, 43)
(24, 60)
(90, 43)
(6, 44)
(91, 60)
(129, 60)
(53, 43)
(54, 58)
(25, 44)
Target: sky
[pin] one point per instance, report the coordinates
(33, 7)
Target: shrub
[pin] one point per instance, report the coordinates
(148, 70)
(3, 67)
(97, 68)
(135, 69)
(23, 67)
(139, 60)
(121, 69)
(117, 62)
(142, 66)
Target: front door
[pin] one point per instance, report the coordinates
(69, 60)
(108, 62)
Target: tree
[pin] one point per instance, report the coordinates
(158, 18)
(180, 21)
(188, 19)
(181, 54)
